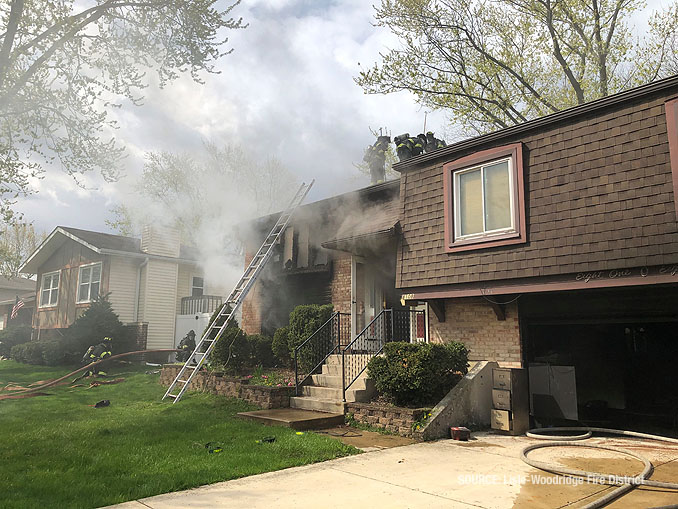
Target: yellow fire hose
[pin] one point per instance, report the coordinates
(54, 382)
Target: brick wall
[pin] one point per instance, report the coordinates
(341, 282)
(391, 418)
(139, 331)
(473, 322)
(215, 383)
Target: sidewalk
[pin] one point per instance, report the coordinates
(483, 473)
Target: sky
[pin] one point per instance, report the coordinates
(286, 91)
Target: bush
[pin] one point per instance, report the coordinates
(54, 352)
(235, 340)
(29, 353)
(304, 321)
(96, 323)
(281, 346)
(261, 351)
(13, 335)
(418, 374)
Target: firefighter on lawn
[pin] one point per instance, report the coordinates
(97, 353)
(186, 346)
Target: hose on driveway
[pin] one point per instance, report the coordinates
(627, 483)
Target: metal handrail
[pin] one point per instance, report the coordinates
(405, 317)
(344, 387)
(336, 317)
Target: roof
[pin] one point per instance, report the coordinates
(100, 243)
(17, 283)
(27, 297)
(379, 220)
(620, 98)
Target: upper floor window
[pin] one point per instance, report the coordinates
(49, 289)
(197, 287)
(89, 282)
(484, 202)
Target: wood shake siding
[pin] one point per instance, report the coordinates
(67, 260)
(122, 286)
(159, 299)
(599, 196)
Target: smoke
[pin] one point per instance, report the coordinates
(209, 198)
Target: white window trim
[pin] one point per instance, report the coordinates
(457, 201)
(42, 288)
(89, 292)
(193, 276)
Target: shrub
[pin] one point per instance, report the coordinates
(96, 323)
(54, 352)
(418, 374)
(29, 353)
(281, 346)
(235, 340)
(304, 321)
(13, 335)
(261, 351)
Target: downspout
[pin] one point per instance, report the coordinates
(137, 289)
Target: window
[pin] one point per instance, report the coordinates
(49, 289)
(89, 282)
(197, 287)
(484, 203)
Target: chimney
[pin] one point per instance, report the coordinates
(160, 240)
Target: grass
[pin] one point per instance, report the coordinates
(58, 451)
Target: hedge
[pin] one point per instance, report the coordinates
(418, 373)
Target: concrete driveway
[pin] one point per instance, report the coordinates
(486, 472)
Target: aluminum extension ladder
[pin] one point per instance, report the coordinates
(235, 299)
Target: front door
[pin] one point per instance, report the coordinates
(367, 298)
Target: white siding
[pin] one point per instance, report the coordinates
(141, 317)
(122, 286)
(186, 273)
(160, 303)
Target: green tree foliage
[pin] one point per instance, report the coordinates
(493, 64)
(96, 323)
(64, 64)
(418, 374)
(281, 346)
(304, 321)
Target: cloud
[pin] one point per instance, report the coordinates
(287, 91)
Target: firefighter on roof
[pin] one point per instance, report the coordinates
(375, 157)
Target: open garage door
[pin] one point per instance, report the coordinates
(618, 348)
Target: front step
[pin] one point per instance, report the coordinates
(317, 404)
(361, 384)
(320, 392)
(294, 418)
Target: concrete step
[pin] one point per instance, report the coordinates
(329, 393)
(332, 369)
(336, 358)
(317, 404)
(362, 383)
(294, 418)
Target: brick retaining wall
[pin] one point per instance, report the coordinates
(215, 383)
(391, 418)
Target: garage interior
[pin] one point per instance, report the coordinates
(606, 358)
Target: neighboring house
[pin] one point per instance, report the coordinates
(154, 284)
(555, 243)
(338, 251)
(12, 289)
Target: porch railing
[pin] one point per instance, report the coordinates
(310, 355)
(389, 325)
(201, 304)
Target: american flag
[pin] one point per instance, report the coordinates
(17, 306)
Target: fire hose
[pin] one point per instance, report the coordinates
(627, 483)
(54, 382)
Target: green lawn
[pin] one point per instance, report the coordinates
(56, 451)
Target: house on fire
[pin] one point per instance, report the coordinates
(550, 245)
(154, 284)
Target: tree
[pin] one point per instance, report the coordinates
(493, 64)
(64, 64)
(17, 242)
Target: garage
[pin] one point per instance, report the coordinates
(603, 357)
